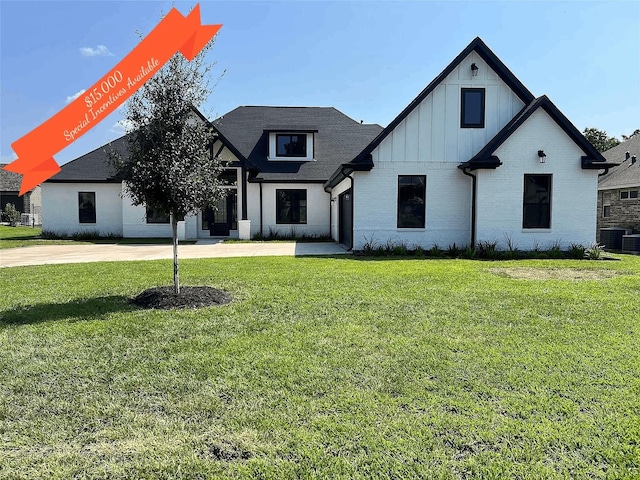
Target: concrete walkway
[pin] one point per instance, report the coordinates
(49, 254)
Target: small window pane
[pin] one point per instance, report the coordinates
(633, 194)
(624, 195)
(411, 201)
(537, 201)
(229, 177)
(155, 215)
(606, 211)
(291, 206)
(87, 207)
(472, 114)
(291, 145)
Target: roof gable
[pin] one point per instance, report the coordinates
(337, 139)
(485, 158)
(627, 173)
(478, 46)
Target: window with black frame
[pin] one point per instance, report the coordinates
(87, 207)
(472, 109)
(291, 206)
(291, 145)
(412, 190)
(536, 208)
(155, 215)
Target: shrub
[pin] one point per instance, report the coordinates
(469, 253)
(435, 251)
(11, 214)
(594, 252)
(577, 251)
(418, 251)
(488, 250)
(555, 251)
(453, 251)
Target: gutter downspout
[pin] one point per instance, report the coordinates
(244, 193)
(352, 212)
(473, 205)
(261, 228)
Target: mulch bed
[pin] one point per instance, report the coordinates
(190, 297)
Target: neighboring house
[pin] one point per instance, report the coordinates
(619, 190)
(475, 157)
(278, 161)
(30, 203)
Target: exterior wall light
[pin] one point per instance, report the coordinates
(542, 156)
(474, 70)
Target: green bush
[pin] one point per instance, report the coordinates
(11, 215)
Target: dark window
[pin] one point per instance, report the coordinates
(291, 145)
(229, 177)
(155, 215)
(87, 207)
(291, 206)
(472, 112)
(536, 212)
(628, 194)
(412, 191)
(606, 204)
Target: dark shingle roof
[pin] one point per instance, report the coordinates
(245, 131)
(338, 139)
(626, 174)
(92, 166)
(9, 181)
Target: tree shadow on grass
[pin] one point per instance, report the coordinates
(86, 309)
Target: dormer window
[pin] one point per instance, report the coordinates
(291, 145)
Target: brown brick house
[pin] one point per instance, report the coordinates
(619, 190)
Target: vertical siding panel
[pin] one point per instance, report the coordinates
(385, 149)
(438, 123)
(399, 142)
(412, 135)
(426, 142)
(452, 122)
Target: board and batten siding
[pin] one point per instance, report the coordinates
(430, 141)
(60, 208)
(573, 190)
(432, 133)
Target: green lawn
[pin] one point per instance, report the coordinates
(14, 237)
(323, 368)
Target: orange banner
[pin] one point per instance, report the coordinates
(36, 149)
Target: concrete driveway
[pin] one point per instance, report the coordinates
(50, 254)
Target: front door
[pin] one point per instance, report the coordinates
(345, 206)
(221, 219)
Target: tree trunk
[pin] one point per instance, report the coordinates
(174, 230)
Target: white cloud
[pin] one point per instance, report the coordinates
(75, 95)
(99, 51)
(122, 127)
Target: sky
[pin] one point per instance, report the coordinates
(369, 59)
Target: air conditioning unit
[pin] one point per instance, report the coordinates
(611, 237)
(631, 243)
(26, 219)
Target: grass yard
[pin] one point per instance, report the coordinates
(323, 368)
(14, 237)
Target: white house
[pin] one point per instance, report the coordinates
(278, 161)
(474, 157)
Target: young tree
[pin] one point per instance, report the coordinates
(171, 166)
(600, 139)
